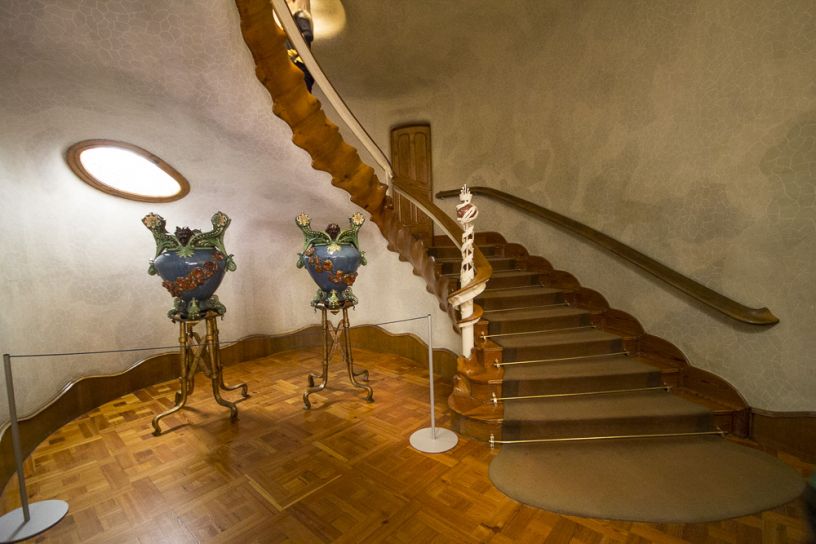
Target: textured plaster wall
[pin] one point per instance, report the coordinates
(176, 79)
(685, 129)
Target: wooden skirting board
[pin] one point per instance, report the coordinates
(88, 393)
(794, 432)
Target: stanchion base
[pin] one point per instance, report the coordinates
(44, 515)
(424, 440)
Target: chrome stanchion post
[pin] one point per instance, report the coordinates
(431, 376)
(28, 520)
(15, 436)
(431, 439)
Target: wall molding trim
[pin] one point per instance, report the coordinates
(793, 432)
(87, 393)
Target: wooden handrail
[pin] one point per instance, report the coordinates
(713, 299)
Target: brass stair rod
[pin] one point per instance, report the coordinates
(456, 274)
(495, 400)
(527, 307)
(497, 364)
(493, 440)
(510, 288)
(15, 438)
(484, 336)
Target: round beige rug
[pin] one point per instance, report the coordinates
(682, 480)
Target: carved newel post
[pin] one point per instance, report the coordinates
(466, 213)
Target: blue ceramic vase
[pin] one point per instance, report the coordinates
(332, 259)
(191, 265)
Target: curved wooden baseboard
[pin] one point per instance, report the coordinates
(88, 393)
(793, 432)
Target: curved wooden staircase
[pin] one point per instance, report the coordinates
(577, 344)
(554, 361)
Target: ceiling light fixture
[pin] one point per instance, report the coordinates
(326, 18)
(126, 170)
(329, 18)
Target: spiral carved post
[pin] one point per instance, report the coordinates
(466, 213)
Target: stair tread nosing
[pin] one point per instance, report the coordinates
(508, 292)
(445, 243)
(533, 312)
(490, 258)
(499, 274)
(586, 368)
(513, 273)
(557, 337)
(640, 405)
(500, 292)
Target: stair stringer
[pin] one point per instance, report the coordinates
(478, 377)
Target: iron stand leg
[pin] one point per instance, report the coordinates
(185, 354)
(350, 362)
(331, 341)
(193, 351)
(216, 372)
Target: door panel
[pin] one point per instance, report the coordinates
(411, 158)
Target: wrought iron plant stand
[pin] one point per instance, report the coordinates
(192, 264)
(332, 258)
(331, 337)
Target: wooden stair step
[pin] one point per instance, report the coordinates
(442, 252)
(712, 404)
(528, 321)
(583, 408)
(647, 412)
(601, 374)
(453, 252)
(494, 298)
(514, 278)
(536, 318)
(728, 417)
(563, 343)
(451, 265)
(480, 238)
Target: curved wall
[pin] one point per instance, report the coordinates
(685, 129)
(176, 79)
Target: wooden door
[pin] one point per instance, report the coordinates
(411, 160)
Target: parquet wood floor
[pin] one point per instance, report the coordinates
(342, 472)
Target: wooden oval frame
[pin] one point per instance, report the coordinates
(74, 163)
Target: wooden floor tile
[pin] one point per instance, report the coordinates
(340, 472)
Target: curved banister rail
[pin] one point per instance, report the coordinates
(264, 39)
(713, 299)
(295, 37)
